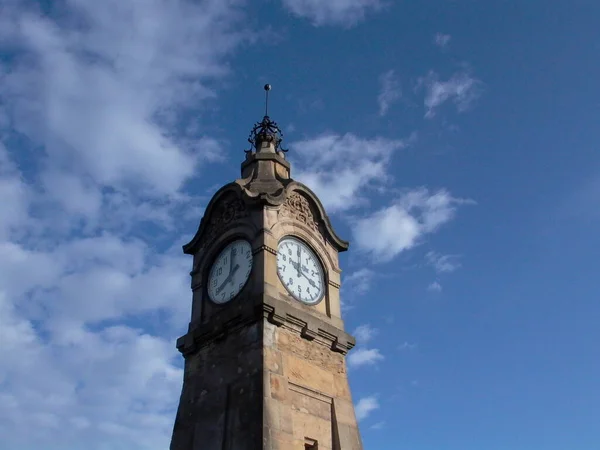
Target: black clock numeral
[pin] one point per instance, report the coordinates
(290, 282)
(283, 269)
(219, 271)
(290, 251)
(284, 257)
(312, 273)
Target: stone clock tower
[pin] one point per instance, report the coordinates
(265, 349)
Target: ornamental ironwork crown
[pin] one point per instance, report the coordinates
(267, 130)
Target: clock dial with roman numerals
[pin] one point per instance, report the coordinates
(300, 271)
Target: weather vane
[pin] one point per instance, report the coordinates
(267, 130)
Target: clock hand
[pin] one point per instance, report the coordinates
(230, 259)
(228, 278)
(298, 264)
(310, 280)
(233, 271)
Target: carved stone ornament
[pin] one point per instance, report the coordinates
(297, 207)
(228, 211)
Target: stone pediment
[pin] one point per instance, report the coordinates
(233, 202)
(225, 208)
(301, 204)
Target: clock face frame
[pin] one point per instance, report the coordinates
(300, 271)
(230, 271)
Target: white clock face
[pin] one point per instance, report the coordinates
(230, 271)
(300, 271)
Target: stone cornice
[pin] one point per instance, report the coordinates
(307, 325)
(265, 248)
(278, 312)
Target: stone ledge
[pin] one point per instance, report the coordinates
(309, 392)
(277, 312)
(310, 327)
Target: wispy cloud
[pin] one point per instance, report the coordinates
(434, 287)
(389, 91)
(393, 229)
(407, 346)
(442, 263)
(358, 282)
(378, 425)
(366, 406)
(345, 13)
(342, 169)
(365, 333)
(441, 40)
(461, 88)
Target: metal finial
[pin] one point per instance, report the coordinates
(266, 130)
(267, 89)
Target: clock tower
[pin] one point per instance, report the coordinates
(265, 348)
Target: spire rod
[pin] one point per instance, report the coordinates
(267, 89)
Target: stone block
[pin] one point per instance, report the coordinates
(278, 387)
(273, 362)
(301, 372)
(344, 411)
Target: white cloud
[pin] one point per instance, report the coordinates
(88, 318)
(344, 13)
(15, 196)
(378, 426)
(441, 40)
(366, 406)
(342, 169)
(364, 333)
(102, 98)
(462, 88)
(434, 287)
(442, 263)
(363, 357)
(407, 346)
(393, 229)
(389, 91)
(358, 282)
(96, 390)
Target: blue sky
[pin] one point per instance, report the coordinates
(465, 134)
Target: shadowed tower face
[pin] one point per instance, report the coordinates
(265, 349)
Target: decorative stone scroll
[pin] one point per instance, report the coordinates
(297, 207)
(228, 211)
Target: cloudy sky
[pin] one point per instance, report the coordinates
(454, 143)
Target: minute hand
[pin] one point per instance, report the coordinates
(310, 280)
(229, 277)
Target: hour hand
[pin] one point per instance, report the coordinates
(228, 278)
